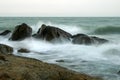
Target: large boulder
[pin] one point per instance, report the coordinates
(21, 32)
(82, 39)
(50, 33)
(5, 32)
(20, 68)
(88, 40)
(5, 49)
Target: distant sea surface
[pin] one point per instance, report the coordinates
(97, 60)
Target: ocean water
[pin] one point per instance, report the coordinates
(97, 60)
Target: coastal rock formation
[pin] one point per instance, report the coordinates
(5, 32)
(20, 68)
(82, 39)
(5, 49)
(21, 32)
(85, 39)
(49, 33)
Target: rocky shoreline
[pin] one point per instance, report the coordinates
(21, 68)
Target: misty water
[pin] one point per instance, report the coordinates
(97, 60)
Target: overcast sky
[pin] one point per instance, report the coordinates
(60, 8)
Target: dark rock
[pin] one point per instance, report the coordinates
(20, 68)
(82, 39)
(85, 39)
(60, 61)
(5, 49)
(5, 32)
(21, 32)
(2, 58)
(49, 33)
(22, 50)
(99, 40)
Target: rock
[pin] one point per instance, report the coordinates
(50, 33)
(5, 32)
(21, 32)
(22, 50)
(60, 61)
(20, 68)
(5, 49)
(82, 39)
(99, 40)
(88, 40)
(2, 58)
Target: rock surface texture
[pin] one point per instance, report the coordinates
(21, 32)
(20, 68)
(49, 33)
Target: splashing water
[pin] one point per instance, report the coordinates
(98, 60)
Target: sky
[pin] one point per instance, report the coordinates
(60, 8)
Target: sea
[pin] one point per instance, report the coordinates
(96, 60)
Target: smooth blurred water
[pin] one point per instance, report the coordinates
(98, 60)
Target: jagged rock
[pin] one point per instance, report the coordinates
(5, 32)
(21, 32)
(22, 50)
(49, 33)
(82, 39)
(5, 49)
(20, 68)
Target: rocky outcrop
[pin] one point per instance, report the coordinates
(5, 32)
(20, 68)
(88, 40)
(5, 49)
(50, 33)
(21, 32)
(82, 39)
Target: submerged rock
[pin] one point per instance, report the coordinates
(50, 33)
(21, 32)
(22, 50)
(88, 40)
(99, 40)
(20, 68)
(5, 49)
(5, 32)
(60, 61)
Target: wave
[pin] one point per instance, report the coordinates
(107, 30)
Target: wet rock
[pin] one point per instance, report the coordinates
(60, 61)
(5, 49)
(99, 40)
(50, 33)
(5, 32)
(21, 32)
(82, 39)
(20, 68)
(22, 50)
(88, 40)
